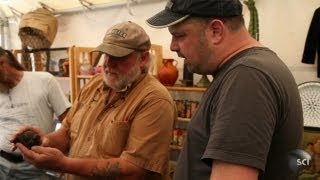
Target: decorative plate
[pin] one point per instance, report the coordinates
(310, 98)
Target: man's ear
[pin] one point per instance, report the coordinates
(145, 57)
(216, 31)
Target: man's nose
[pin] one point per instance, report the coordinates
(174, 46)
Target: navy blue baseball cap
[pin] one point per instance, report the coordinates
(178, 10)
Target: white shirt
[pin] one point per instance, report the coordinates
(32, 102)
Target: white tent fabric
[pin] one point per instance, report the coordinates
(11, 8)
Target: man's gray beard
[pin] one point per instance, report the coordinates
(129, 79)
(132, 76)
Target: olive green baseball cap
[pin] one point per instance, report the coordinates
(123, 39)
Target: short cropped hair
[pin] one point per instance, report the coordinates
(233, 23)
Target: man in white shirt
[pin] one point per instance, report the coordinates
(26, 98)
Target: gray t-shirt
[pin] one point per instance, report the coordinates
(250, 115)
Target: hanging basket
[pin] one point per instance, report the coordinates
(38, 28)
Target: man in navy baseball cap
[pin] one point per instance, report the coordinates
(250, 118)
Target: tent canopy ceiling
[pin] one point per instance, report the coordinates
(11, 8)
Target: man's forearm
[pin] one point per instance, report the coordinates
(112, 168)
(59, 139)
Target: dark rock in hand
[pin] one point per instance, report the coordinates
(28, 139)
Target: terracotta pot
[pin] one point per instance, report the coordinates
(317, 146)
(168, 73)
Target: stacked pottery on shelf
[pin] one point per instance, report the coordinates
(204, 82)
(85, 67)
(168, 73)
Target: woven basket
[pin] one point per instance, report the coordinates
(38, 28)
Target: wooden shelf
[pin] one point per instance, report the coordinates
(175, 147)
(43, 49)
(181, 88)
(183, 119)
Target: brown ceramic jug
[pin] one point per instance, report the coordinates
(168, 73)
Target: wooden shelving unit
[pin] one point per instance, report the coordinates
(37, 55)
(182, 89)
(77, 56)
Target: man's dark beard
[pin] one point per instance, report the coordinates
(3, 88)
